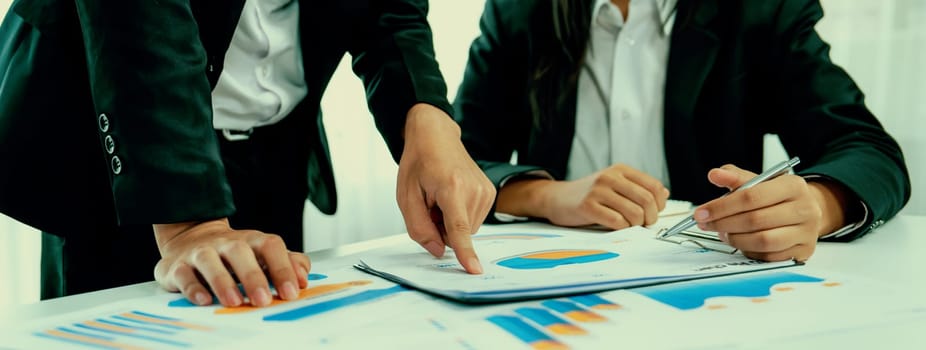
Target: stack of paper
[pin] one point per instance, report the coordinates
(552, 262)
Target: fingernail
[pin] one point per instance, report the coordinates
(723, 237)
(665, 192)
(702, 214)
(435, 248)
(475, 266)
(202, 298)
(289, 291)
(261, 297)
(232, 297)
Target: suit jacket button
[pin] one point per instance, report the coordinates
(109, 144)
(117, 165)
(104, 122)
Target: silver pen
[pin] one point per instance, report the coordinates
(771, 173)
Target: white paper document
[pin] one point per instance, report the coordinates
(745, 311)
(553, 262)
(675, 207)
(346, 309)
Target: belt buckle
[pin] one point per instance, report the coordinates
(237, 135)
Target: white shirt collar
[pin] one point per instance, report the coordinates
(606, 16)
(667, 9)
(599, 5)
(666, 12)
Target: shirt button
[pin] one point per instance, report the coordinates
(109, 144)
(625, 115)
(631, 42)
(104, 122)
(116, 164)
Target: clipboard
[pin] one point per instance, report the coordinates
(699, 238)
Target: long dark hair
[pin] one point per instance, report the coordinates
(557, 68)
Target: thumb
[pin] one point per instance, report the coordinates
(417, 215)
(729, 176)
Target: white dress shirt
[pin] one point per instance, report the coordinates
(263, 79)
(621, 89)
(619, 107)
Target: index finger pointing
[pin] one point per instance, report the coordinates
(459, 236)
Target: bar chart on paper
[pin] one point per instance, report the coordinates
(169, 321)
(379, 310)
(525, 332)
(627, 317)
(136, 330)
(357, 293)
(560, 323)
(552, 324)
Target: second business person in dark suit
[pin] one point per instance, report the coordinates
(106, 111)
(609, 104)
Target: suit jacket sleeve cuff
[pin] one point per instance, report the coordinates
(500, 173)
(859, 215)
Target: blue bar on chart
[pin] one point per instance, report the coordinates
(128, 330)
(334, 304)
(594, 301)
(573, 311)
(526, 333)
(550, 322)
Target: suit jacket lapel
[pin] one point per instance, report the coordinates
(551, 144)
(217, 21)
(692, 52)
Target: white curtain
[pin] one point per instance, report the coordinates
(880, 43)
(19, 251)
(19, 263)
(364, 170)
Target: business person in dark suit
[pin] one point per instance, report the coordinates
(611, 104)
(107, 128)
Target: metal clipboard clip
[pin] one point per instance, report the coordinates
(701, 239)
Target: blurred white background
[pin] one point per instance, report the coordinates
(881, 43)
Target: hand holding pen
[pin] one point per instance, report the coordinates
(771, 173)
(773, 216)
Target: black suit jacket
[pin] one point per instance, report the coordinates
(105, 110)
(737, 70)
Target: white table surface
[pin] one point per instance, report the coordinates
(891, 254)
